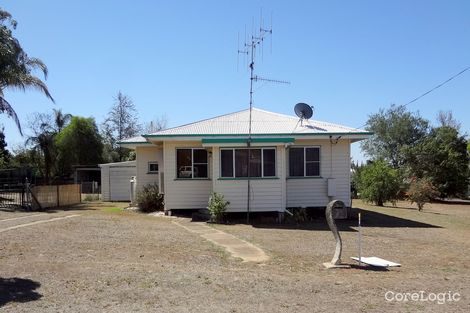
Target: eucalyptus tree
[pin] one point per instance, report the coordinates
(120, 123)
(395, 131)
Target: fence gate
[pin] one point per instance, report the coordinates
(16, 194)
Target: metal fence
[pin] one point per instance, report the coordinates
(14, 195)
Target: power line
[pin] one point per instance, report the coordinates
(438, 86)
(427, 92)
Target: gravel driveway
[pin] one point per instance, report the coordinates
(109, 260)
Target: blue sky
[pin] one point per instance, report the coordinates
(179, 59)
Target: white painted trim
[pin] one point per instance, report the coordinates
(305, 160)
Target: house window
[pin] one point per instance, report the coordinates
(234, 162)
(304, 162)
(191, 163)
(152, 168)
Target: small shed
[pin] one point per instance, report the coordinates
(115, 180)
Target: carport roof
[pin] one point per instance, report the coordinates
(125, 163)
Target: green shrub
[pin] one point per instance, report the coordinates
(89, 198)
(421, 191)
(149, 199)
(379, 182)
(299, 216)
(217, 207)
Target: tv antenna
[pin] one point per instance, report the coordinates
(251, 45)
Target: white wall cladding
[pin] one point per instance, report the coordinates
(266, 194)
(115, 180)
(184, 193)
(144, 155)
(105, 183)
(119, 182)
(335, 163)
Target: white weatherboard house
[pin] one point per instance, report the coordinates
(293, 164)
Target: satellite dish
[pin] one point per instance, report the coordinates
(303, 110)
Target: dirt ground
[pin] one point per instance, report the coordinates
(110, 260)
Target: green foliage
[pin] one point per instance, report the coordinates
(79, 143)
(300, 215)
(60, 119)
(394, 131)
(43, 142)
(404, 140)
(149, 199)
(421, 191)
(355, 175)
(89, 198)
(24, 157)
(379, 182)
(16, 67)
(217, 206)
(442, 158)
(113, 210)
(5, 155)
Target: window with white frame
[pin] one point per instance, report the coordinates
(304, 162)
(234, 162)
(152, 168)
(191, 163)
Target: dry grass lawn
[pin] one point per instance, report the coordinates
(110, 260)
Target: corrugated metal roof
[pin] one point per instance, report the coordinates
(263, 122)
(136, 139)
(124, 163)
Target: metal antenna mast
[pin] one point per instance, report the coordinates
(249, 50)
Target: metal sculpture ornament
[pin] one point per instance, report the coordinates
(336, 261)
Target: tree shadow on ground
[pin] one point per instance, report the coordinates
(424, 211)
(66, 208)
(18, 290)
(14, 208)
(369, 219)
(452, 201)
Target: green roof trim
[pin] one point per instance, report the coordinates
(245, 135)
(245, 140)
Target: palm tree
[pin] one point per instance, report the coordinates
(44, 144)
(16, 67)
(61, 119)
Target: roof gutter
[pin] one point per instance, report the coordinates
(259, 135)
